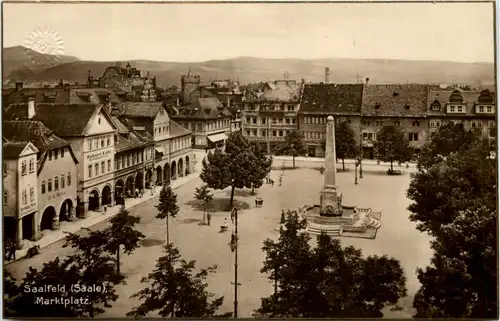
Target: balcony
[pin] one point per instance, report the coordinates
(250, 112)
(288, 126)
(265, 138)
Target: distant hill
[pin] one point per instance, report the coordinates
(25, 63)
(248, 69)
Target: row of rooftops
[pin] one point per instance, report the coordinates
(409, 100)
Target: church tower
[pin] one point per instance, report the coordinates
(189, 83)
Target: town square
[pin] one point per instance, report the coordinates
(249, 160)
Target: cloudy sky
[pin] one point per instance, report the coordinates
(197, 32)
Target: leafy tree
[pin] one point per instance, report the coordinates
(455, 202)
(345, 144)
(448, 139)
(237, 166)
(294, 145)
(167, 206)
(122, 233)
(203, 195)
(10, 293)
(262, 168)
(391, 145)
(88, 267)
(173, 289)
(327, 281)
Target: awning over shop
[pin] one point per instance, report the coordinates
(158, 152)
(217, 137)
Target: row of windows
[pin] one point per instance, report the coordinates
(263, 133)
(59, 182)
(161, 129)
(55, 153)
(314, 135)
(102, 167)
(322, 120)
(276, 106)
(373, 136)
(127, 160)
(274, 120)
(24, 170)
(93, 143)
(24, 195)
(433, 123)
(481, 108)
(456, 108)
(218, 124)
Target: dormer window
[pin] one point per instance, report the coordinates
(436, 105)
(377, 105)
(394, 94)
(407, 105)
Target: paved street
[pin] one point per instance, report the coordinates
(397, 237)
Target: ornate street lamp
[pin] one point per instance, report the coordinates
(358, 162)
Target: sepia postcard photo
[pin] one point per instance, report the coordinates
(249, 160)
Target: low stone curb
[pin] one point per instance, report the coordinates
(20, 254)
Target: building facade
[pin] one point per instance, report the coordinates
(343, 101)
(56, 172)
(403, 106)
(89, 130)
(268, 117)
(20, 187)
(473, 109)
(209, 121)
(170, 154)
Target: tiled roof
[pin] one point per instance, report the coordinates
(284, 94)
(469, 97)
(203, 108)
(63, 96)
(13, 149)
(141, 109)
(395, 100)
(33, 131)
(127, 141)
(64, 119)
(177, 130)
(122, 128)
(332, 98)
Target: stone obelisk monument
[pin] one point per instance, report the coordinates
(331, 200)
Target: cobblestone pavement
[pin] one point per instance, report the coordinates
(397, 237)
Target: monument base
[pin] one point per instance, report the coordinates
(354, 222)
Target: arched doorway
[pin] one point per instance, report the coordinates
(166, 174)
(149, 176)
(94, 200)
(181, 168)
(188, 169)
(158, 175)
(139, 180)
(129, 185)
(47, 218)
(119, 192)
(173, 170)
(65, 211)
(106, 195)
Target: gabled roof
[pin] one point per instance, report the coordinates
(33, 131)
(177, 130)
(332, 98)
(203, 108)
(63, 119)
(141, 109)
(282, 94)
(395, 100)
(12, 150)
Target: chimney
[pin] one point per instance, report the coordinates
(19, 86)
(66, 87)
(228, 101)
(31, 108)
(327, 75)
(367, 80)
(177, 101)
